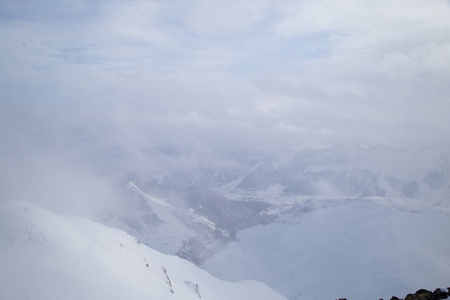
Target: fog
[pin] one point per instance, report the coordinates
(93, 91)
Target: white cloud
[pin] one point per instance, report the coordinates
(239, 73)
(136, 20)
(225, 18)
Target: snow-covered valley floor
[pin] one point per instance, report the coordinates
(353, 248)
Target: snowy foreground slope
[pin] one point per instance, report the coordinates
(49, 256)
(335, 248)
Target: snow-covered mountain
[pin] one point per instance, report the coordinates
(351, 171)
(345, 171)
(188, 221)
(49, 256)
(336, 248)
(354, 221)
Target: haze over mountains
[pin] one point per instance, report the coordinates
(358, 223)
(355, 220)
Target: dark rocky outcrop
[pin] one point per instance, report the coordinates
(423, 294)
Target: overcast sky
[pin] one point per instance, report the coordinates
(80, 77)
(286, 73)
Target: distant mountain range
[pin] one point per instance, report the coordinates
(313, 224)
(362, 222)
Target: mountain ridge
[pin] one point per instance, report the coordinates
(49, 256)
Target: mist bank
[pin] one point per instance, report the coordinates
(77, 156)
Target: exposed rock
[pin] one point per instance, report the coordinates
(423, 294)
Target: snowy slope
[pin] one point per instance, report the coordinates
(149, 218)
(175, 212)
(190, 221)
(361, 222)
(353, 248)
(49, 256)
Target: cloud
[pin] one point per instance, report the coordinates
(104, 86)
(225, 18)
(37, 164)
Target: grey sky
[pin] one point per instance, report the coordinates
(264, 73)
